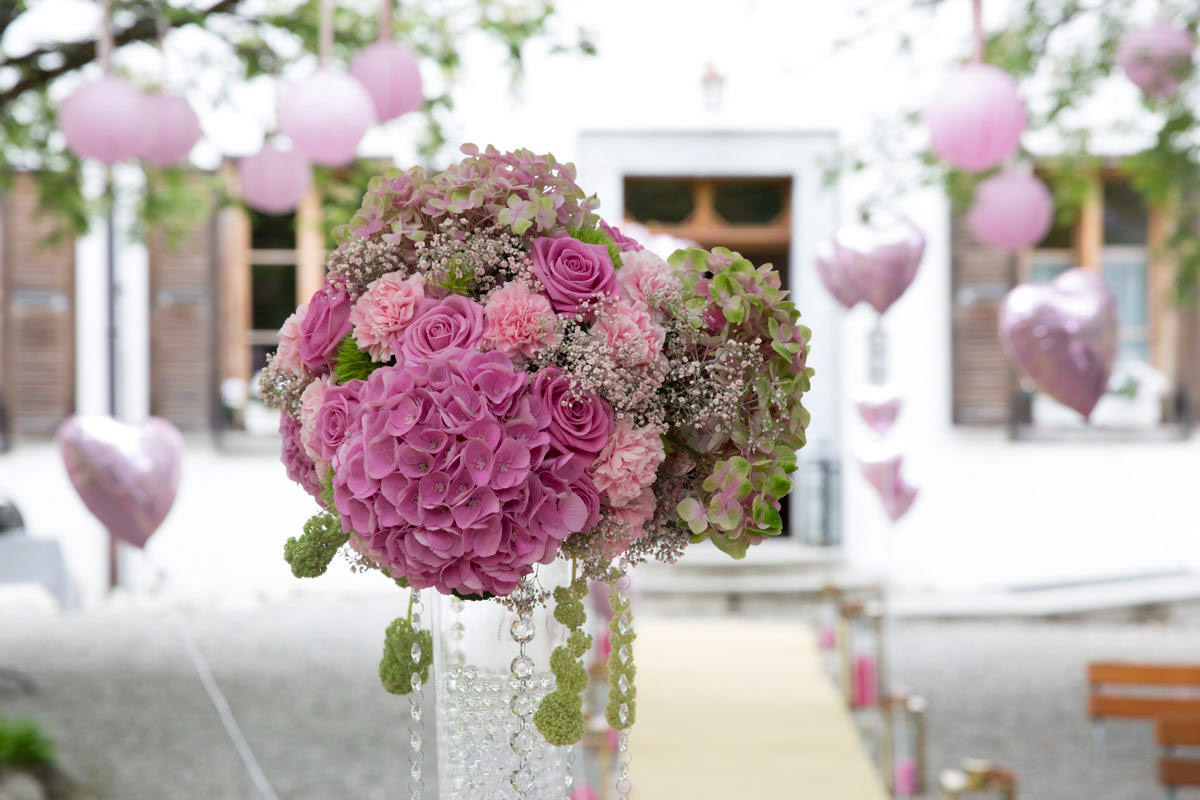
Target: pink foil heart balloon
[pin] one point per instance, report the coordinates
(898, 498)
(1063, 336)
(879, 406)
(878, 263)
(836, 279)
(126, 474)
(881, 470)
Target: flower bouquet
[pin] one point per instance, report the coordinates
(494, 380)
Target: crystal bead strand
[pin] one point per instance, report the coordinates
(569, 778)
(523, 701)
(624, 623)
(416, 785)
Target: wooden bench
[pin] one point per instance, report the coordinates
(1102, 705)
(1129, 705)
(1173, 731)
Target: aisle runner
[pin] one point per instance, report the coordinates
(732, 708)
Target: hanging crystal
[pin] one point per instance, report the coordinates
(416, 784)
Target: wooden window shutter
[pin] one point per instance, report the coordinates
(980, 277)
(37, 384)
(182, 329)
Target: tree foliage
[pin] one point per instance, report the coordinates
(1063, 53)
(262, 39)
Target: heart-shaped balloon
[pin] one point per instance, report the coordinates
(1062, 336)
(881, 470)
(127, 474)
(879, 406)
(836, 279)
(872, 263)
(898, 498)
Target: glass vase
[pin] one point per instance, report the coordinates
(491, 669)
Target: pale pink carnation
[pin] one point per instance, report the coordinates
(310, 403)
(384, 311)
(636, 514)
(287, 357)
(627, 328)
(645, 278)
(519, 321)
(628, 463)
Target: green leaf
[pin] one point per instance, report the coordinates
(352, 364)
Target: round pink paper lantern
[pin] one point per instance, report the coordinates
(172, 129)
(104, 120)
(326, 116)
(1012, 211)
(274, 180)
(977, 118)
(1157, 58)
(391, 76)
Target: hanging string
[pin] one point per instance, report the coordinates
(104, 42)
(163, 28)
(977, 11)
(385, 20)
(325, 33)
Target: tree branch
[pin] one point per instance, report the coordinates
(78, 54)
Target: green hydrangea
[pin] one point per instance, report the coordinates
(559, 717)
(748, 468)
(397, 667)
(310, 555)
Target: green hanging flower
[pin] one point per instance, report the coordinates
(397, 668)
(559, 717)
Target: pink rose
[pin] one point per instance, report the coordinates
(287, 357)
(310, 403)
(519, 321)
(455, 322)
(628, 463)
(646, 278)
(627, 329)
(627, 243)
(384, 311)
(573, 272)
(334, 417)
(323, 328)
(580, 424)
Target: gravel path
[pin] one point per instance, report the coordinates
(1015, 693)
(121, 698)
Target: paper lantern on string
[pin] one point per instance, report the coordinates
(172, 129)
(1012, 211)
(1157, 58)
(390, 74)
(274, 180)
(326, 116)
(976, 120)
(104, 120)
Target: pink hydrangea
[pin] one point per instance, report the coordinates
(628, 330)
(645, 278)
(519, 321)
(444, 474)
(287, 357)
(300, 468)
(384, 311)
(628, 463)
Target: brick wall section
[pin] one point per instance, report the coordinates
(181, 328)
(37, 378)
(982, 381)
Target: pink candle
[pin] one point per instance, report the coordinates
(863, 690)
(826, 637)
(905, 777)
